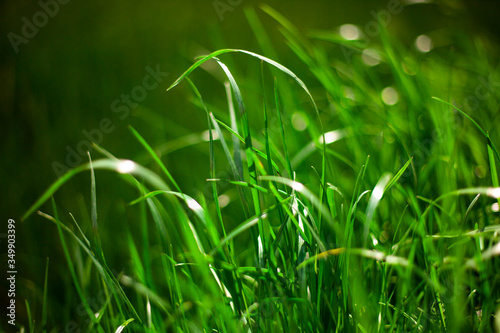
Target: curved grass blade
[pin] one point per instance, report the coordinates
(119, 166)
(469, 209)
(234, 126)
(299, 187)
(324, 139)
(240, 183)
(473, 233)
(243, 227)
(240, 138)
(374, 255)
(377, 194)
(493, 192)
(398, 175)
(122, 326)
(155, 157)
(190, 202)
(258, 56)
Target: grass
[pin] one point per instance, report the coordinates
(325, 207)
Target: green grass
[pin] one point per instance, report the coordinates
(323, 208)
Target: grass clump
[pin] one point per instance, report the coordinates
(353, 198)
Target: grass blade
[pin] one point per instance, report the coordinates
(119, 166)
(122, 326)
(375, 198)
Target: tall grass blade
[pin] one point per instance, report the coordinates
(375, 198)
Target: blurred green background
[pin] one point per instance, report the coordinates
(65, 79)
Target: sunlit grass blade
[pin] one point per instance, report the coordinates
(267, 60)
(119, 166)
(398, 175)
(243, 227)
(375, 255)
(155, 157)
(240, 183)
(471, 206)
(122, 326)
(241, 139)
(493, 169)
(303, 190)
(258, 56)
(234, 126)
(296, 186)
(375, 198)
(191, 204)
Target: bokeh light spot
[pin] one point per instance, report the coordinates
(125, 166)
(390, 96)
(423, 43)
(224, 200)
(370, 57)
(299, 122)
(349, 32)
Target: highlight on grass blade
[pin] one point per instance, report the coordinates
(119, 166)
(375, 198)
(299, 187)
(122, 326)
(258, 56)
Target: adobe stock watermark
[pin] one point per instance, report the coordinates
(121, 107)
(221, 6)
(29, 30)
(371, 29)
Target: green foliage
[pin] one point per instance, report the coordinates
(341, 212)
